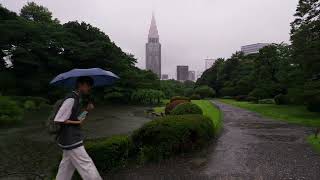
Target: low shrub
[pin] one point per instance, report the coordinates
(205, 91)
(10, 112)
(281, 99)
(109, 153)
(266, 101)
(174, 98)
(188, 92)
(227, 97)
(170, 106)
(195, 97)
(186, 108)
(114, 96)
(38, 101)
(30, 105)
(228, 91)
(169, 135)
(252, 99)
(147, 96)
(312, 96)
(241, 98)
(259, 93)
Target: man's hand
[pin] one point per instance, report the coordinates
(90, 107)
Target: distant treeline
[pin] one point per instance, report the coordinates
(292, 71)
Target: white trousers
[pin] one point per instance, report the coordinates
(78, 159)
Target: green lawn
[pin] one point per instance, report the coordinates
(212, 112)
(315, 142)
(289, 113)
(208, 109)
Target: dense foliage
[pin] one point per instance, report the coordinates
(290, 70)
(35, 47)
(147, 96)
(10, 112)
(186, 108)
(169, 135)
(109, 153)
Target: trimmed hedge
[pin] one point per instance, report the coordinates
(170, 106)
(186, 108)
(174, 98)
(109, 153)
(170, 135)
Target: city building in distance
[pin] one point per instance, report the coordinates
(153, 49)
(209, 62)
(253, 48)
(164, 76)
(191, 75)
(182, 73)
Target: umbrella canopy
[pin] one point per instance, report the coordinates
(100, 77)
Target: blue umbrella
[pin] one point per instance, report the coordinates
(100, 77)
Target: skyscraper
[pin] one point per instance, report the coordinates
(182, 73)
(153, 49)
(253, 48)
(191, 75)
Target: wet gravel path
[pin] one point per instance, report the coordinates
(250, 147)
(254, 147)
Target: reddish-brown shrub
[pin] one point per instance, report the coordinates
(170, 106)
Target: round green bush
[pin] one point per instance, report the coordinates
(10, 112)
(170, 106)
(259, 93)
(109, 153)
(205, 91)
(30, 105)
(186, 108)
(170, 135)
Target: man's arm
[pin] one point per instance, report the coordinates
(65, 111)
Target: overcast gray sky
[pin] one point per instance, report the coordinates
(190, 30)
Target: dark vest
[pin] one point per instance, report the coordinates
(70, 135)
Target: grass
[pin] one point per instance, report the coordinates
(208, 109)
(290, 113)
(315, 142)
(212, 112)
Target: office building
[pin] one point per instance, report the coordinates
(182, 73)
(253, 48)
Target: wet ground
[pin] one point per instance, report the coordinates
(29, 151)
(250, 147)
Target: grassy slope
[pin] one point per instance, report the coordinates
(212, 112)
(291, 114)
(315, 142)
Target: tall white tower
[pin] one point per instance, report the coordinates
(153, 49)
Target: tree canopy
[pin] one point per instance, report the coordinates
(34, 48)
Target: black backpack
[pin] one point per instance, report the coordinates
(54, 127)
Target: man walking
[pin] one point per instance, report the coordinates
(70, 137)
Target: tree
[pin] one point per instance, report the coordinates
(36, 13)
(305, 37)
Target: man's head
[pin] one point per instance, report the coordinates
(84, 84)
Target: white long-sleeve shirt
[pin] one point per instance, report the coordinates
(65, 110)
